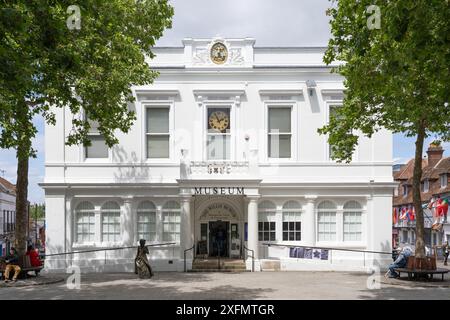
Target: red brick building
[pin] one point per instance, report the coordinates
(435, 183)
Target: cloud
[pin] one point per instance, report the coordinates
(270, 22)
(399, 160)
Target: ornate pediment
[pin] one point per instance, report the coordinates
(220, 53)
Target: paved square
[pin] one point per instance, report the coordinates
(227, 286)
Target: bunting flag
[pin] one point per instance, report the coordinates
(403, 214)
(431, 205)
(442, 208)
(412, 214)
(394, 216)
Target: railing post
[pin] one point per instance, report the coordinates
(218, 254)
(184, 256)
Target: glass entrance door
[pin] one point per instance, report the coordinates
(218, 238)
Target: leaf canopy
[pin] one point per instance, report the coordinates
(396, 77)
(45, 63)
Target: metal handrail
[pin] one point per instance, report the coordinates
(186, 250)
(253, 257)
(325, 248)
(107, 249)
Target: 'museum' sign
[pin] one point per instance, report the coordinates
(219, 191)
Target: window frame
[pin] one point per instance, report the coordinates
(426, 185)
(164, 211)
(76, 240)
(232, 134)
(158, 105)
(265, 213)
(114, 211)
(405, 190)
(298, 213)
(360, 211)
(150, 211)
(271, 104)
(443, 178)
(329, 105)
(332, 211)
(84, 148)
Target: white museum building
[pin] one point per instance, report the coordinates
(224, 158)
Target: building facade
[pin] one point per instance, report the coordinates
(435, 184)
(7, 215)
(224, 158)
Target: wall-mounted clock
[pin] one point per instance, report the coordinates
(219, 120)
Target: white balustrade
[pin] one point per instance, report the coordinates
(219, 168)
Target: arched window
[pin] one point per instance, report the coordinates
(110, 222)
(352, 221)
(326, 221)
(266, 221)
(84, 222)
(171, 221)
(292, 212)
(146, 221)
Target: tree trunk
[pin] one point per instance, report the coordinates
(417, 200)
(21, 203)
(23, 153)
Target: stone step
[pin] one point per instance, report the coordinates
(214, 264)
(216, 267)
(222, 264)
(218, 270)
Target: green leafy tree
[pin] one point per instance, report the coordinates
(84, 58)
(37, 211)
(397, 77)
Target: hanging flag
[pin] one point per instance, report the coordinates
(403, 214)
(431, 205)
(394, 216)
(412, 214)
(442, 208)
(438, 206)
(409, 213)
(445, 207)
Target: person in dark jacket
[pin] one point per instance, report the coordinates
(400, 262)
(395, 253)
(12, 261)
(445, 252)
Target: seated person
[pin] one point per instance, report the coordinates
(395, 253)
(11, 264)
(34, 257)
(400, 262)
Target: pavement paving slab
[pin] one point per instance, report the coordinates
(227, 286)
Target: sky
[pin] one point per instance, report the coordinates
(270, 22)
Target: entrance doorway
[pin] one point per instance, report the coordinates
(218, 238)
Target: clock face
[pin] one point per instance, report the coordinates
(219, 120)
(219, 53)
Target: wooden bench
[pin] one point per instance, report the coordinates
(25, 266)
(418, 272)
